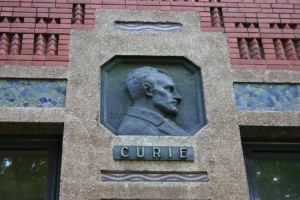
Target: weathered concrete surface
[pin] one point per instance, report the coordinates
(88, 145)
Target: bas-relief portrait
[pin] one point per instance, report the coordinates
(151, 96)
(154, 96)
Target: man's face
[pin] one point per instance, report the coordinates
(165, 97)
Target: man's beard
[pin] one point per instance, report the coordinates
(168, 108)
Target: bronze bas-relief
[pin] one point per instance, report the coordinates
(154, 97)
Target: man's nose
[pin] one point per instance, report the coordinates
(177, 96)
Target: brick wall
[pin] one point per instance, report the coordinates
(262, 34)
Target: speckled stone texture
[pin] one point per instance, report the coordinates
(88, 145)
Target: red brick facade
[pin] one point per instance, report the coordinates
(262, 34)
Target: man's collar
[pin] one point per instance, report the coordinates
(146, 114)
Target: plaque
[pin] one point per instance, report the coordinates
(151, 96)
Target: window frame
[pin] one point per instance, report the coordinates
(54, 148)
(249, 147)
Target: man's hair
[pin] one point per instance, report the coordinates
(138, 77)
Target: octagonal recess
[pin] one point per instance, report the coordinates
(185, 74)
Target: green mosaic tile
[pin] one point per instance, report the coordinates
(32, 93)
(267, 97)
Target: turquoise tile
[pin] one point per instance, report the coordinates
(32, 93)
(275, 97)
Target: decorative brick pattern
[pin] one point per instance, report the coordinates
(255, 48)
(285, 26)
(32, 93)
(275, 25)
(4, 44)
(130, 176)
(46, 44)
(297, 47)
(10, 44)
(52, 45)
(250, 48)
(15, 44)
(78, 14)
(246, 25)
(45, 20)
(287, 49)
(216, 17)
(244, 49)
(40, 44)
(11, 19)
(267, 97)
(290, 50)
(279, 49)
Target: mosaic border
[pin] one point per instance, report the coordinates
(129, 176)
(278, 97)
(39, 93)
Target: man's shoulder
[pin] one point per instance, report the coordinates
(136, 126)
(139, 121)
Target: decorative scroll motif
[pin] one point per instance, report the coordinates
(267, 97)
(32, 93)
(148, 27)
(130, 176)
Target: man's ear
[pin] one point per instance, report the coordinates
(148, 89)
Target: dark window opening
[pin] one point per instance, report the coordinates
(30, 168)
(273, 170)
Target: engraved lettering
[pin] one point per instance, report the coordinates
(140, 152)
(183, 152)
(156, 152)
(125, 152)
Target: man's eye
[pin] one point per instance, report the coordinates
(170, 89)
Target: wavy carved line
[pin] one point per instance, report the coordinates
(153, 177)
(156, 28)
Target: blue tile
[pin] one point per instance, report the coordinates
(267, 97)
(32, 93)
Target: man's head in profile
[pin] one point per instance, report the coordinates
(154, 96)
(154, 89)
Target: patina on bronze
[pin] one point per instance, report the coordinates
(155, 97)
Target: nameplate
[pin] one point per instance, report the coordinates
(154, 153)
